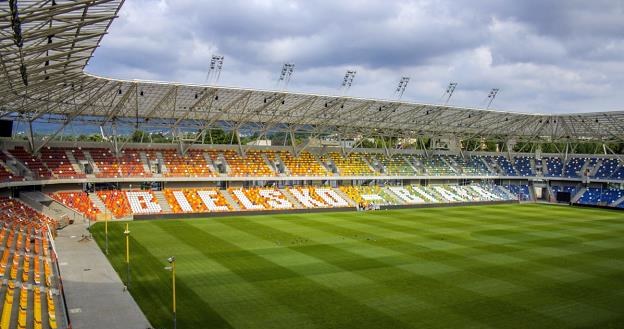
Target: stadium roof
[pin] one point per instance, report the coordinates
(46, 44)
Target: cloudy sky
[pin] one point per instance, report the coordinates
(546, 56)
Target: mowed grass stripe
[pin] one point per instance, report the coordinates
(325, 307)
(419, 286)
(151, 285)
(485, 266)
(227, 291)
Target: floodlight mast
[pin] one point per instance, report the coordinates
(491, 96)
(285, 76)
(398, 92)
(449, 91)
(347, 81)
(214, 71)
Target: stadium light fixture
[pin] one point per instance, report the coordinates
(285, 75)
(491, 96)
(214, 71)
(398, 92)
(347, 81)
(449, 92)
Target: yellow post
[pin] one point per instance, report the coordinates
(127, 234)
(106, 231)
(171, 261)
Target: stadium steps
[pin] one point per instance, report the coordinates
(210, 163)
(47, 206)
(17, 165)
(97, 202)
(578, 195)
(345, 197)
(617, 202)
(230, 200)
(162, 201)
(396, 197)
(452, 165)
(488, 166)
(291, 199)
(145, 162)
(72, 160)
(269, 164)
(89, 158)
(370, 166)
(410, 161)
(161, 160)
(279, 158)
(595, 168)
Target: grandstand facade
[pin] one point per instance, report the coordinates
(45, 182)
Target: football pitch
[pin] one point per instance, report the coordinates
(504, 266)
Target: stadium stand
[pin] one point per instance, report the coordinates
(193, 164)
(554, 167)
(523, 166)
(57, 162)
(78, 201)
(265, 198)
(38, 169)
(352, 165)
(195, 200)
(303, 165)
(128, 164)
(25, 245)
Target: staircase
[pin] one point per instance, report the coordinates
(451, 165)
(617, 202)
(163, 167)
(508, 193)
(292, 199)
(410, 163)
(97, 202)
(72, 161)
(270, 164)
(230, 200)
(49, 207)
(210, 163)
(279, 158)
(17, 166)
(578, 195)
(489, 166)
(146, 163)
(162, 201)
(88, 157)
(595, 169)
(345, 197)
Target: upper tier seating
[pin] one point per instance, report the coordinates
(38, 168)
(573, 168)
(394, 165)
(436, 166)
(5, 174)
(554, 167)
(193, 164)
(352, 165)
(506, 168)
(607, 169)
(128, 164)
(56, 160)
(303, 165)
(523, 166)
(78, 201)
(253, 165)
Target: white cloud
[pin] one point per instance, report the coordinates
(546, 56)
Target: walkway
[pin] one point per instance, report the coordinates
(94, 292)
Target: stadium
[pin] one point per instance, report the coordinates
(207, 206)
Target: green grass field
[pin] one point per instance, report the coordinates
(505, 266)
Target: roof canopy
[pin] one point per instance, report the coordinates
(45, 45)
